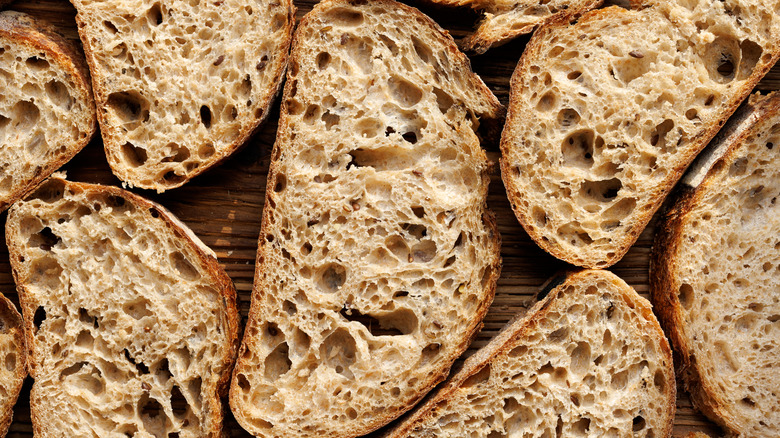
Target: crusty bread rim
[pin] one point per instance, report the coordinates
(243, 134)
(20, 372)
(459, 60)
(668, 242)
(701, 139)
(206, 258)
(44, 37)
(520, 326)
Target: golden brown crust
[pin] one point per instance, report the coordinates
(494, 113)
(521, 327)
(623, 243)
(207, 259)
(12, 322)
(39, 35)
(664, 259)
(101, 98)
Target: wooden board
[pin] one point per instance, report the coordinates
(223, 208)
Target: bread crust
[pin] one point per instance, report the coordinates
(495, 112)
(9, 314)
(206, 257)
(112, 145)
(664, 259)
(39, 35)
(521, 326)
(621, 243)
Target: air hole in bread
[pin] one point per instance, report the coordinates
(331, 277)
(152, 414)
(481, 376)
(577, 149)
(638, 423)
(155, 15)
(422, 50)
(281, 183)
(177, 154)
(338, 352)
(45, 239)
(205, 116)
(424, 251)
(443, 100)
(206, 151)
(37, 63)
(139, 366)
(568, 117)
(323, 60)
(580, 358)
(344, 17)
(162, 370)
(277, 363)
(184, 267)
(686, 295)
(24, 115)
(547, 101)
(404, 92)
(658, 137)
(172, 178)
(330, 119)
(601, 191)
(138, 309)
(134, 156)
(574, 75)
(73, 369)
(110, 26)
(692, 114)
(58, 93)
(39, 317)
(128, 106)
(179, 403)
(397, 245)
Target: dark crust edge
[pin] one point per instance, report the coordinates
(207, 262)
(521, 327)
(111, 146)
(15, 326)
(40, 35)
(496, 111)
(664, 281)
(621, 243)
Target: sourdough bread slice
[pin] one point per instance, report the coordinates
(47, 113)
(505, 20)
(377, 257)
(715, 274)
(180, 85)
(589, 359)
(605, 115)
(13, 359)
(131, 325)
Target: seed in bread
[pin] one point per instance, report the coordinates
(130, 323)
(505, 20)
(181, 85)
(13, 361)
(605, 114)
(47, 113)
(589, 359)
(715, 276)
(377, 257)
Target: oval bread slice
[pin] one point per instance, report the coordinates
(180, 85)
(377, 257)
(589, 359)
(130, 323)
(47, 113)
(606, 114)
(715, 276)
(13, 361)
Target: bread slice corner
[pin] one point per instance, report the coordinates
(714, 273)
(180, 86)
(47, 112)
(13, 361)
(131, 323)
(588, 359)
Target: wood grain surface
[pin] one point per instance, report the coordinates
(223, 208)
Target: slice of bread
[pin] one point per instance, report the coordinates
(47, 113)
(606, 114)
(588, 359)
(377, 256)
(130, 322)
(180, 85)
(13, 361)
(505, 20)
(715, 276)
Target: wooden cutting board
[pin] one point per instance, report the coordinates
(223, 208)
